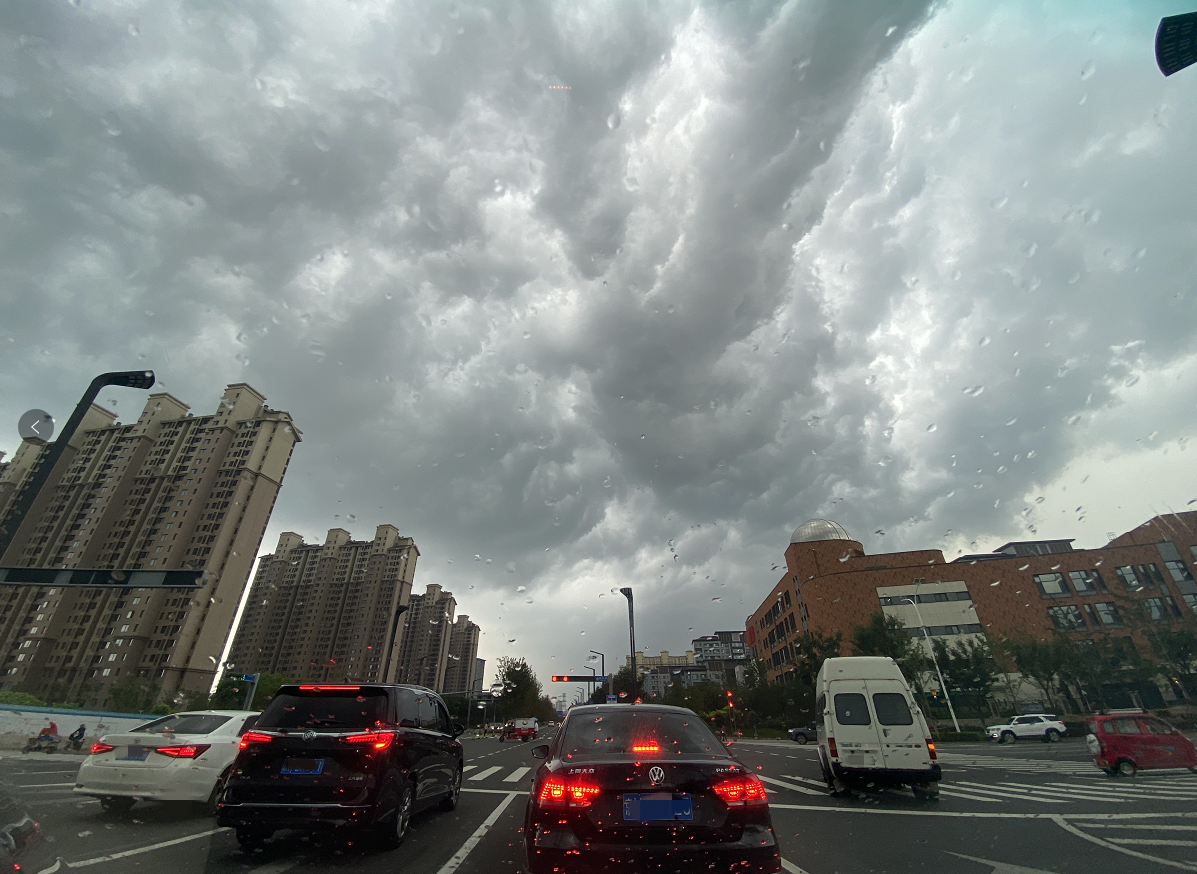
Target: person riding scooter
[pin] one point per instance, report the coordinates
(75, 740)
(47, 739)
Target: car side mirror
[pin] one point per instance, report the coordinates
(540, 752)
(458, 729)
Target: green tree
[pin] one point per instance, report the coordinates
(22, 699)
(521, 690)
(967, 667)
(132, 697)
(811, 651)
(882, 635)
(1176, 650)
(267, 688)
(229, 695)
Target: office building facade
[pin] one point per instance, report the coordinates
(1141, 579)
(327, 612)
(170, 491)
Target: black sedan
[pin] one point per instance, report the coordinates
(645, 787)
(363, 757)
(804, 734)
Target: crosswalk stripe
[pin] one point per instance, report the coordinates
(786, 785)
(818, 783)
(482, 775)
(468, 768)
(1137, 792)
(516, 775)
(1007, 793)
(957, 793)
(1151, 842)
(1083, 794)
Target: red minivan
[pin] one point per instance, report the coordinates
(1124, 743)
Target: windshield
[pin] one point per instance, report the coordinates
(529, 355)
(323, 711)
(639, 734)
(184, 723)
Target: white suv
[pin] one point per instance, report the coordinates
(1042, 726)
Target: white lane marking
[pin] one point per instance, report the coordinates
(454, 863)
(149, 849)
(1079, 817)
(482, 775)
(1152, 842)
(818, 783)
(1019, 794)
(1155, 827)
(792, 868)
(516, 775)
(70, 783)
(786, 785)
(493, 791)
(1093, 839)
(468, 768)
(956, 793)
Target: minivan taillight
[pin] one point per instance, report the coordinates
(741, 791)
(831, 748)
(254, 737)
(380, 740)
(556, 792)
(931, 749)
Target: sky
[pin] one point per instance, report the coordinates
(585, 295)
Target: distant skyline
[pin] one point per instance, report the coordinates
(921, 269)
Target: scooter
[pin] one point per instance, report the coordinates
(43, 744)
(74, 744)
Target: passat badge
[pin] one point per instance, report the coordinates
(309, 735)
(656, 775)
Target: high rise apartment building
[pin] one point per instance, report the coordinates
(463, 655)
(170, 491)
(424, 647)
(326, 612)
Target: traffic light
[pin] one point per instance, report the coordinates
(730, 704)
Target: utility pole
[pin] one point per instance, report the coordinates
(626, 591)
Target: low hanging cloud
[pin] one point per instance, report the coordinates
(584, 296)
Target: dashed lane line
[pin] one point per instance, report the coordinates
(792, 868)
(147, 849)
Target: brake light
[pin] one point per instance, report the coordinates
(190, 751)
(931, 749)
(101, 748)
(831, 748)
(254, 737)
(555, 792)
(650, 746)
(379, 739)
(745, 790)
(330, 688)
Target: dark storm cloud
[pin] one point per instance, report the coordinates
(583, 295)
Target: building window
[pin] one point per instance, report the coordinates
(1191, 600)
(1109, 615)
(1067, 618)
(1052, 585)
(1161, 609)
(1087, 582)
(1130, 581)
(1179, 570)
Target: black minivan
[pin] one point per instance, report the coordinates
(325, 756)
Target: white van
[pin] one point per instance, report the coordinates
(870, 731)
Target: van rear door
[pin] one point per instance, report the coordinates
(903, 746)
(857, 740)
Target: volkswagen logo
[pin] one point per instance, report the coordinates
(309, 735)
(656, 775)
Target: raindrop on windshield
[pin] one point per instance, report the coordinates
(521, 589)
(931, 427)
(613, 120)
(510, 567)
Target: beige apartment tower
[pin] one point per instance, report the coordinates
(170, 491)
(326, 612)
(424, 647)
(463, 655)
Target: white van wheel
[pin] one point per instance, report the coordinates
(925, 791)
(840, 789)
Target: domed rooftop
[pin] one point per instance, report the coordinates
(819, 529)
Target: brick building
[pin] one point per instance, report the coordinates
(1143, 578)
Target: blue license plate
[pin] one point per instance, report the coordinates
(135, 754)
(657, 807)
(302, 767)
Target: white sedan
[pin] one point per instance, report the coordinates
(181, 757)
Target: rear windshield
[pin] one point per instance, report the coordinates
(324, 710)
(851, 709)
(891, 709)
(639, 734)
(184, 723)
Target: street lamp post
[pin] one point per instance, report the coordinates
(603, 668)
(626, 591)
(37, 479)
(935, 661)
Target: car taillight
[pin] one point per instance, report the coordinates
(745, 790)
(380, 740)
(831, 748)
(931, 749)
(101, 748)
(646, 746)
(330, 688)
(254, 737)
(556, 792)
(190, 751)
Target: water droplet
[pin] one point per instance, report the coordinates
(1024, 567)
(134, 30)
(607, 482)
(1088, 70)
(511, 640)
(527, 335)
(879, 532)
(477, 558)
(642, 436)
(870, 379)
(510, 567)
(984, 341)
(884, 461)
(1011, 421)
(931, 427)
(845, 556)
(1072, 420)
(995, 582)
(528, 601)
(999, 202)
(613, 120)
(670, 308)
(1132, 381)
(716, 598)
(583, 633)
